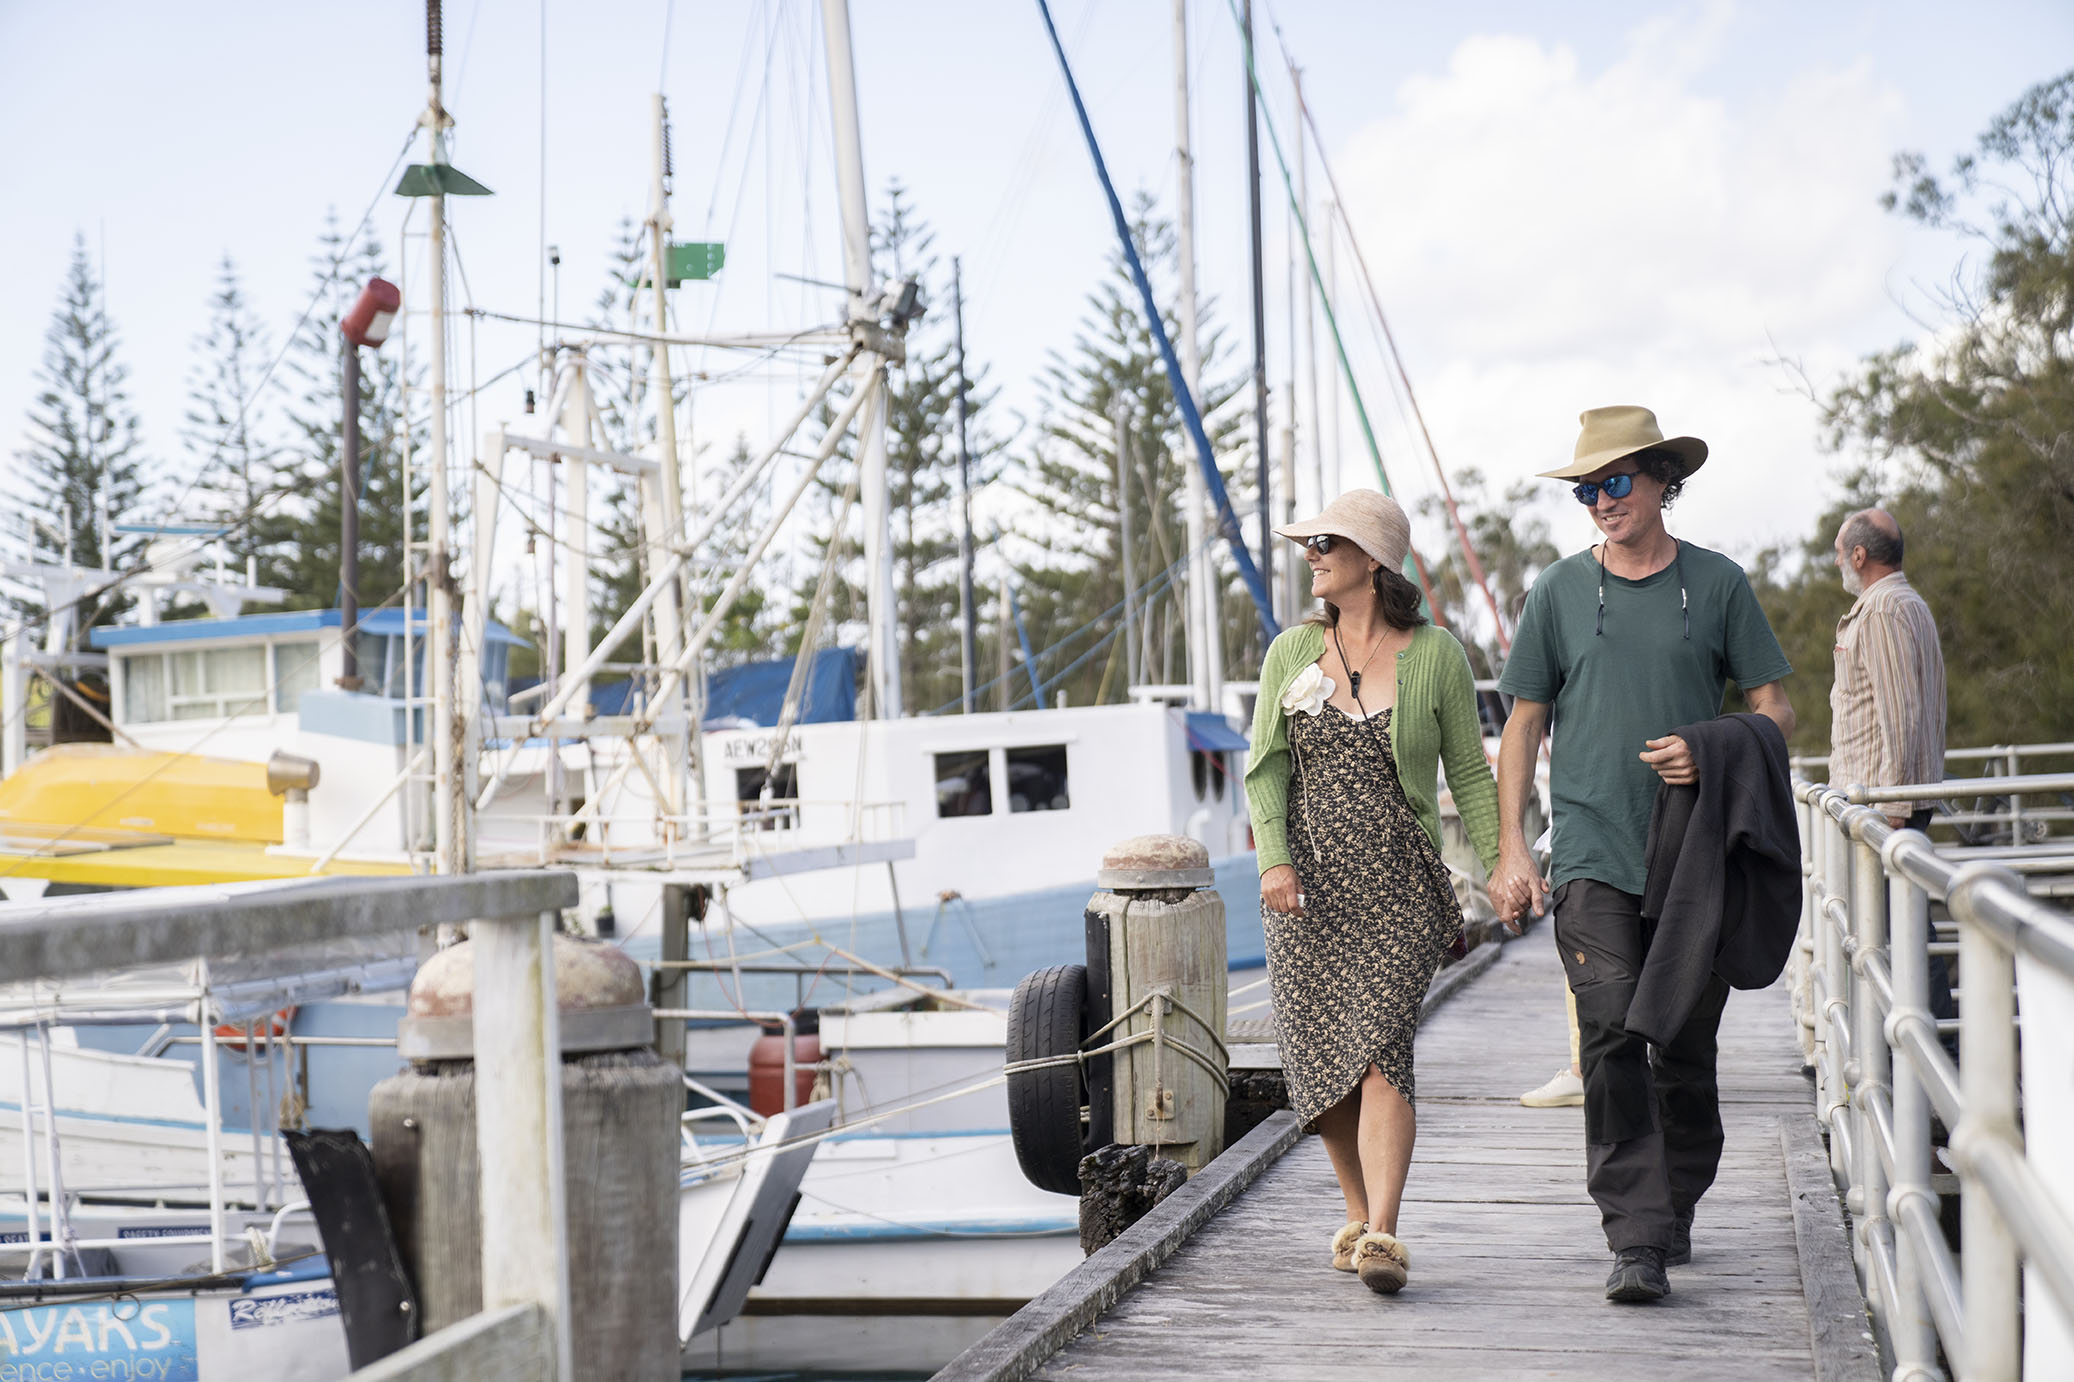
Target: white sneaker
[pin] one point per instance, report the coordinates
(1564, 1090)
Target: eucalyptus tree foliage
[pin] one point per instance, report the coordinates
(81, 460)
(1513, 542)
(1072, 590)
(1968, 438)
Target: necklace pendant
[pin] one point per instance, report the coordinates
(1354, 683)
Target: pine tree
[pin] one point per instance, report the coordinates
(620, 572)
(921, 475)
(304, 528)
(233, 462)
(1073, 596)
(83, 457)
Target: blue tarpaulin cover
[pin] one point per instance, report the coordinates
(754, 692)
(1210, 732)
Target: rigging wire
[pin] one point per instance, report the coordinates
(1339, 210)
(1375, 454)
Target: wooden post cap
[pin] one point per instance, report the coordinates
(599, 996)
(1153, 862)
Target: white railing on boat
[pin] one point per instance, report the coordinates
(1862, 976)
(525, 1275)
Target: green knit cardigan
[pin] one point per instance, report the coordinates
(1435, 722)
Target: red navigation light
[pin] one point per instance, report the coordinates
(368, 323)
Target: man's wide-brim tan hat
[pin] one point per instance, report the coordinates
(1370, 520)
(1611, 433)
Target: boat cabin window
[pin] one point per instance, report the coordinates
(383, 668)
(1037, 778)
(784, 789)
(197, 684)
(295, 671)
(1209, 771)
(964, 784)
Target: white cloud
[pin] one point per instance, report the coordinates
(1552, 233)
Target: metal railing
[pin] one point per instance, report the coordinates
(1993, 806)
(523, 1330)
(1861, 977)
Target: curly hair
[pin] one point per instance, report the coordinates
(1397, 598)
(1666, 469)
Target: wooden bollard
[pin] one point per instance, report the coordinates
(620, 1112)
(1155, 951)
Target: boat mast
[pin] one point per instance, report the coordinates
(1267, 554)
(968, 642)
(1204, 612)
(1310, 301)
(449, 830)
(883, 645)
(667, 502)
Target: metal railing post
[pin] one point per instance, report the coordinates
(1803, 959)
(1910, 1328)
(1869, 1052)
(2016, 800)
(518, 1122)
(1987, 1086)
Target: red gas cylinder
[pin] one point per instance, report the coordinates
(767, 1071)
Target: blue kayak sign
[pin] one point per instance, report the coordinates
(104, 1341)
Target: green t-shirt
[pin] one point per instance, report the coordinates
(1640, 679)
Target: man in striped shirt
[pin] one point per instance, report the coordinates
(1887, 704)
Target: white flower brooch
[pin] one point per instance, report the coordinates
(1308, 691)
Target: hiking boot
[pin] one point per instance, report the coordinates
(1681, 1240)
(1638, 1276)
(1565, 1089)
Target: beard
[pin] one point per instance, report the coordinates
(1854, 584)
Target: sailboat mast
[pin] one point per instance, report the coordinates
(449, 833)
(1205, 625)
(968, 642)
(1267, 554)
(871, 459)
(1310, 301)
(666, 505)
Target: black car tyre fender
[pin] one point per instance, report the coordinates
(1047, 1016)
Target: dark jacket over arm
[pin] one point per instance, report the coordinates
(1724, 873)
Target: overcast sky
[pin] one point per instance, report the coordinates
(1563, 206)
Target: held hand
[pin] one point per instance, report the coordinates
(1516, 888)
(1279, 890)
(1672, 759)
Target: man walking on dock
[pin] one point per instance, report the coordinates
(1616, 648)
(1887, 703)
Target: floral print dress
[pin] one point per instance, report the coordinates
(1349, 975)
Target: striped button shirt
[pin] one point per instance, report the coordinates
(1887, 704)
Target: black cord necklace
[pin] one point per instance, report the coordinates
(1354, 676)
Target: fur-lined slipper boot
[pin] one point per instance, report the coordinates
(1383, 1263)
(1343, 1246)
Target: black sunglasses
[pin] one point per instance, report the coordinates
(1322, 544)
(1616, 487)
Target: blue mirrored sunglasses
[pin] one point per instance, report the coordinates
(1616, 487)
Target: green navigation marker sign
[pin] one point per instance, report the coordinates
(697, 261)
(429, 179)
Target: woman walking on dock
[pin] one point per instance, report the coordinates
(1359, 705)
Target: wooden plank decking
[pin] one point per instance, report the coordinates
(1508, 1260)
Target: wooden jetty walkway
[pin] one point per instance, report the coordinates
(1508, 1260)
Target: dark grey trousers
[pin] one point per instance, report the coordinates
(1652, 1116)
